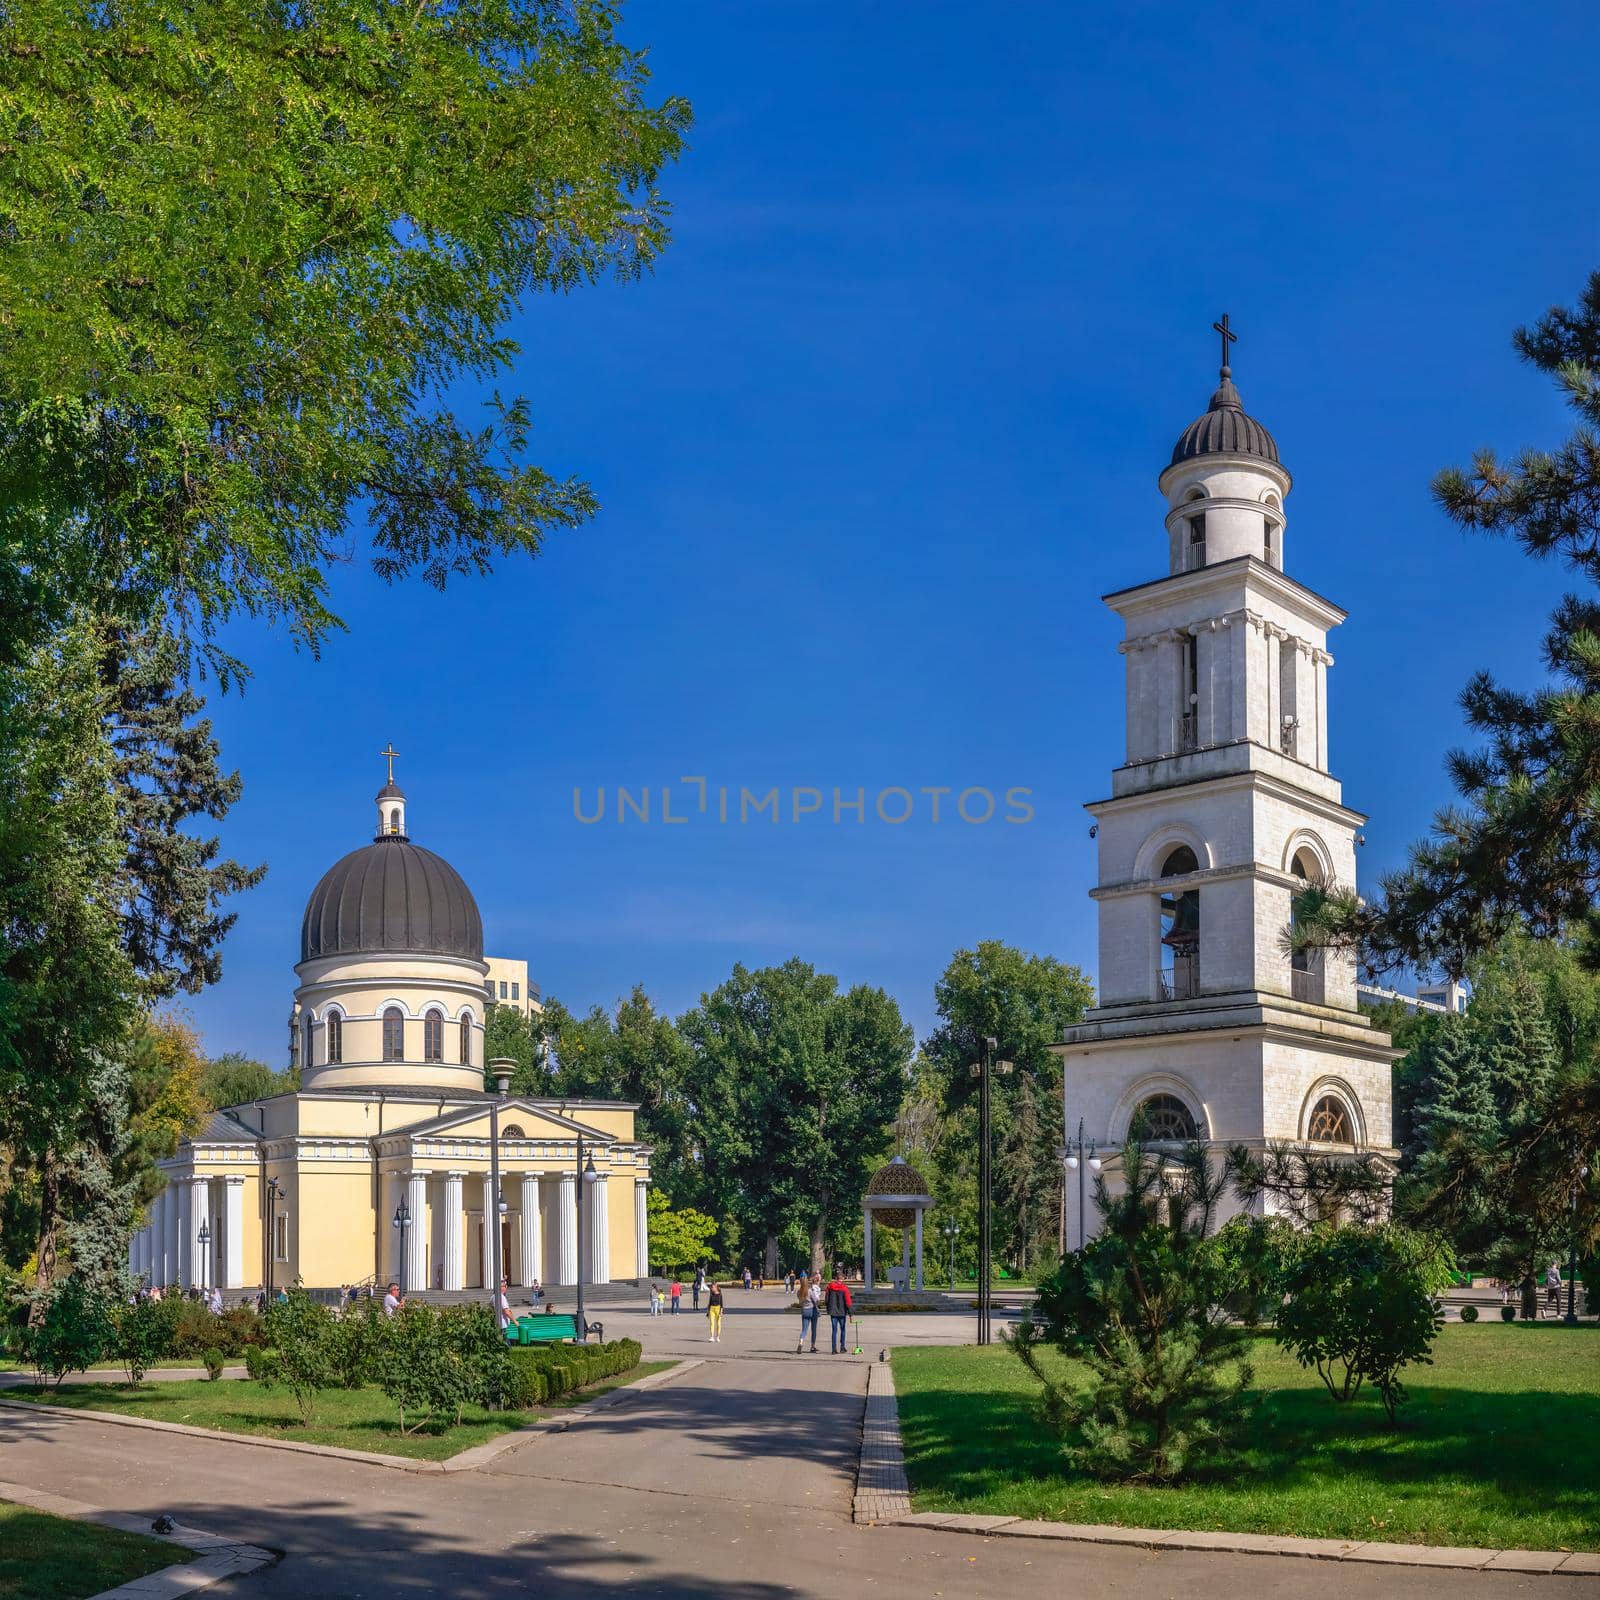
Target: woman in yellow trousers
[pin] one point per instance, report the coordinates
(714, 1313)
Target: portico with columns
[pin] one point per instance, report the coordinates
(379, 1166)
(1224, 809)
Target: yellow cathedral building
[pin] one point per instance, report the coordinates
(378, 1168)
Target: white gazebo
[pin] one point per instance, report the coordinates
(896, 1197)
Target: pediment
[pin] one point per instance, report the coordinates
(537, 1120)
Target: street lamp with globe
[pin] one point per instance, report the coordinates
(1081, 1162)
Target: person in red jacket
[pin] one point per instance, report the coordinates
(837, 1297)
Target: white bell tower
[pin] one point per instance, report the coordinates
(1223, 807)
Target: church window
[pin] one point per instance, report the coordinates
(394, 1034)
(1189, 686)
(466, 1040)
(1165, 1120)
(1305, 966)
(280, 1237)
(1197, 541)
(513, 1130)
(433, 1036)
(1288, 720)
(1180, 930)
(1330, 1122)
(333, 1038)
(309, 1060)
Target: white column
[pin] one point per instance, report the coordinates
(600, 1231)
(866, 1235)
(171, 1198)
(233, 1203)
(199, 1217)
(530, 1244)
(1324, 661)
(182, 1244)
(919, 1249)
(454, 1262)
(641, 1228)
(417, 1251)
(491, 1220)
(567, 1232)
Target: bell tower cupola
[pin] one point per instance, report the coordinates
(1224, 486)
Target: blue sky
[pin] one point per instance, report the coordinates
(883, 427)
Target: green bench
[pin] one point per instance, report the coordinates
(546, 1329)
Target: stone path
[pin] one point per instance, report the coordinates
(733, 1482)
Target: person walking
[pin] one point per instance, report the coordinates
(838, 1303)
(699, 1283)
(1552, 1286)
(747, 1280)
(714, 1313)
(502, 1304)
(654, 1299)
(810, 1311)
(677, 1295)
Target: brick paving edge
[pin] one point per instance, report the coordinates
(215, 1555)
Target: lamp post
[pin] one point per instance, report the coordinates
(502, 1068)
(1076, 1162)
(274, 1189)
(951, 1231)
(203, 1238)
(1571, 1318)
(402, 1222)
(984, 1069)
(586, 1176)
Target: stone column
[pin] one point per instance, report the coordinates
(530, 1241)
(183, 1244)
(641, 1228)
(233, 1234)
(600, 1230)
(491, 1220)
(454, 1226)
(1323, 662)
(199, 1217)
(866, 1235)
(567, 1231)
(919, 1249)
(417, 1252)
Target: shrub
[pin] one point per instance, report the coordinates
(143, 1335)
(301, 1334)
(1144, 1307)
(74, 1331)
(261, 1364)
(357, 1344)
(473, 1341)
(194, 1329)
(527, 1383)
(214, 1361)
(1508, 1313)
(1360, 1307)
(1469, 1313)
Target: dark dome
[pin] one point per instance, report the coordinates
(1225, 430)
(391, 896)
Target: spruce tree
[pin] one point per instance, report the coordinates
(1457, 1094)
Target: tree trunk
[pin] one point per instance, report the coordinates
(49, 1213)
(818, 1258)
(769, 1263)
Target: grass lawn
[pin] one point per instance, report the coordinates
(1499, 1446)
(59, 1558)
(351, 1419)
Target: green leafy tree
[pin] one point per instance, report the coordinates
(508, 1035)
(678, 1238)
(235, 1079)
(794, 1087)
(142, 1335)
(1024, 1001)
(1145, 1306)
(1359, 1307)
(73, 1331)
(251, 252)
(304, 1347)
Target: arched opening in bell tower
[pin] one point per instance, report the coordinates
(1180, 929)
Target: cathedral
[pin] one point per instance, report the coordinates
(379, 1167)
(1223, 809)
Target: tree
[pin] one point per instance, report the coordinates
(793, 1087)
(1145, 1306)
(678, 1238)
(250, 251)
(1024, 1001)
(509, 1035)
(235, 1079)
(166, 1099)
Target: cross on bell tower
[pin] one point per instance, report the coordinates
(1228, 337)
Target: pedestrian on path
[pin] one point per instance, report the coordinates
(391, 1300)
(699, 1284)
(1552, 1286)
(838, 1303)
(655, 1299)
(714, 1313)
(810, 1311)
(502, 1304)
(677, 1295)
(747, 1280)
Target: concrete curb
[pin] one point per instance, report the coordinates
(464, 1461)
(882, 1496)
(217, 1557)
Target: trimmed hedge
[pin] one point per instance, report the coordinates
(1469, 1313)
(542, 1372)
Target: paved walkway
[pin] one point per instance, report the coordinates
(733, 1482)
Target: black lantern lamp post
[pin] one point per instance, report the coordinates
(1571, 1318)
(203, 1239)
(984, 1069)
(1082, 1162)
(586, 1178)
(402, 1222)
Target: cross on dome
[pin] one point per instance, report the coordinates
(1228, 337)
